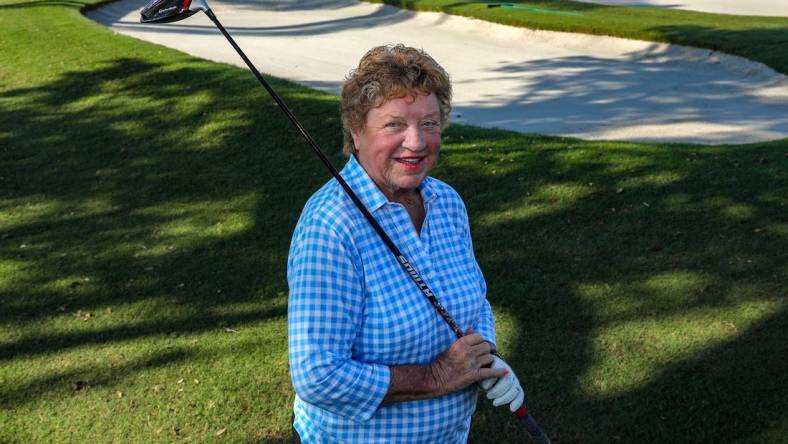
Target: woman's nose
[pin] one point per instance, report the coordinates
(414, 139)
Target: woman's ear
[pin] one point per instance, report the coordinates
(356, 139)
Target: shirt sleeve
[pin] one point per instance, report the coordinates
(486, 323)
(325, 310)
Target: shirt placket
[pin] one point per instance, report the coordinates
(412, 246)
(416, 250)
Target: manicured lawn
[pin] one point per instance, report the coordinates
(146, 204)
(763, 39)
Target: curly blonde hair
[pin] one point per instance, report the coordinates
(388, 72)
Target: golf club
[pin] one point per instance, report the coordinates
(166, 11)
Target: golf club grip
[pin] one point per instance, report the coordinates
(533, 428)
(536, 432)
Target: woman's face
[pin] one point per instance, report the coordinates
(399, 142)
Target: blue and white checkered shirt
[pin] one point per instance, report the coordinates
(353, 312)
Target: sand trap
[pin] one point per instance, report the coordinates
(529, 81)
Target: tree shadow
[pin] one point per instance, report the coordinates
(44, 343)
(120, 198)
(107, 236)
(652, 95)
(575, 270)
(731, 392)
(69, 382)
(42, 3)
(141, 170)
(293, 5)
(151, 168)
(769, 47)
(112, 15)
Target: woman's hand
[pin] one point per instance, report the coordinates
(506, 390)
(459, 366)
(463, 364)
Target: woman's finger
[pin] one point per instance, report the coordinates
(507, 397)
(485, 360)
(501, 387)
(491, 373)
(487, 383)
(472, 339)
(518, 401)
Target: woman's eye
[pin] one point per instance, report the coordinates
(430, 124)
(393, 125)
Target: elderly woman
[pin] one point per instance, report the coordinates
(371, 360)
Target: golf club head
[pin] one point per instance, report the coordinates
(166, 11)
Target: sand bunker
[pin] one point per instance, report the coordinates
(529, 81)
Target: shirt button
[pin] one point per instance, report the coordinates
(430, 275)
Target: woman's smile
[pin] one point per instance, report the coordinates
(410, 163)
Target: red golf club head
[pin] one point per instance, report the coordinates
(166, 11)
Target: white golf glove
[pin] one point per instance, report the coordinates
(505, 390)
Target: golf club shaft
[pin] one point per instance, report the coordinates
(536, 432)
(522, 413)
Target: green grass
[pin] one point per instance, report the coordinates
(762, 39)
(639, 289)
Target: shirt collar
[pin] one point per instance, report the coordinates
(369, 193)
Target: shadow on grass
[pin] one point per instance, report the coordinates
(103, 186)
(644, 235)
(126, 188)
(199, 322)
(141, 171)
(115, 180)
(69, 383)
(40, 3)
